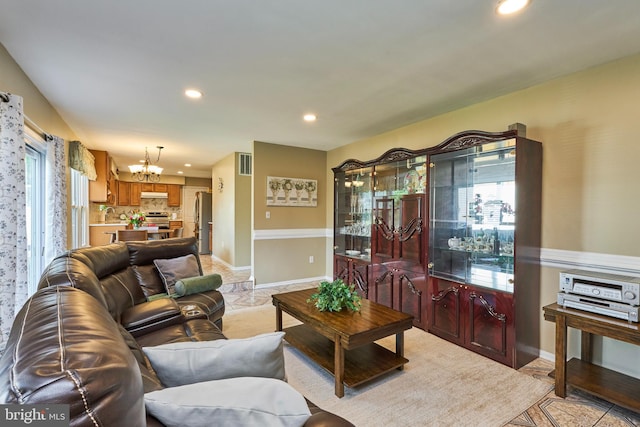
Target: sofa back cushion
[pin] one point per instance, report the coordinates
(65, 347)
(145, 252)
(103, 260)
(121, 291)
(66, 271)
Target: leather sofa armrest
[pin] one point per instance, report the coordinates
(322, 418)
(151, 316)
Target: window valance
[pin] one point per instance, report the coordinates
(81, 159)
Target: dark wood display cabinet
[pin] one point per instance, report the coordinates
(484, 244)
(380, 222)
(434, 233)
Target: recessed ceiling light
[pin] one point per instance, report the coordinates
(193, 93)
(188, 165)
(309, 117)
(506, 7)
(180, 172)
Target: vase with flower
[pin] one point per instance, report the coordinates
(136, 219)
(287, 186)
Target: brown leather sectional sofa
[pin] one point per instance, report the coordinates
(78, 339)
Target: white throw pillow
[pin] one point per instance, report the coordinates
(230, 402)
(191, 362)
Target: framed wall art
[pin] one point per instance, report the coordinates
(292, 191)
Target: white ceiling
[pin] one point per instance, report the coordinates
(116, 70)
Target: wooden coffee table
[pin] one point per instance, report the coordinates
(343, 342)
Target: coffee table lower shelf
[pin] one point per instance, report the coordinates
(360, 364)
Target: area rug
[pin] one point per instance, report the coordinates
(442, 385)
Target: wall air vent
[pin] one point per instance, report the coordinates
(244, 164)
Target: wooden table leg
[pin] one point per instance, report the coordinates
(400, 347)
(278, 318)
(561, 356)
(338, 365)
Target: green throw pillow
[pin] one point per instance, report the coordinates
(157, 296)
(194, 285)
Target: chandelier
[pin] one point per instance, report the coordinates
(146, 171)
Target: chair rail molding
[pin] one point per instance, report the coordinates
(293, 233)
(609, 263)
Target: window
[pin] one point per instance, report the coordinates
(35, 184)
(79, 209)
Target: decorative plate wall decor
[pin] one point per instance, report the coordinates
(291, 191)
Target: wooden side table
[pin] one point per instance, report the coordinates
(607, 384)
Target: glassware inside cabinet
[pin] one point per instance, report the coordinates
(353, 213)
(472, 218)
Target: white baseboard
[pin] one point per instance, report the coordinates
(547, 356)
(292, 282)
(229, 266)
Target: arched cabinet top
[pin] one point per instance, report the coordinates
(458, 141)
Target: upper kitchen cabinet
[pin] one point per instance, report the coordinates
(103, 189)
(484, 244)
(128, 193)
(124, 193)
(173, 198)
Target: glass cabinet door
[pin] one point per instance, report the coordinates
(353, 213)
(399, 197)
(472, 215)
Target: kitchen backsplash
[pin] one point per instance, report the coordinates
(146, 205)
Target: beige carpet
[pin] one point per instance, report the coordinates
(442, 385)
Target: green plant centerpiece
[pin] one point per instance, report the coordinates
(336, 295)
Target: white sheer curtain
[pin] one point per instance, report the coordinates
(55, 236)
(13, 229)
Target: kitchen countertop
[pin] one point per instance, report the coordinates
(108, 224)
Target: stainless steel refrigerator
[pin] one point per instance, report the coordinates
(202, 217)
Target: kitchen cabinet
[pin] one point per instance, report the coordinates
(100, 234)
(173, 224)
(146, 186)
(161, 188)
(484, 278)
(173, 199)
(134, 193)
(103, 188)
(157, 188)
(124, 193)
(128, 193)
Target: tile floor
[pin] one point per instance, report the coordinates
(578, 409)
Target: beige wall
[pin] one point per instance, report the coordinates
(231, 214)
(283, 243)
(587, 123)
(242, 217)
(36, 107)
(224, 210)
